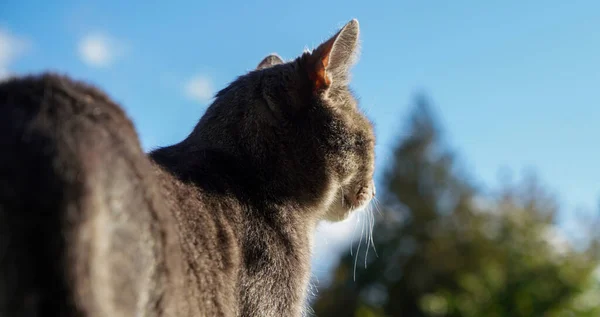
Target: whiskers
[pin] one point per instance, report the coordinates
(377, 205)
(366, 219)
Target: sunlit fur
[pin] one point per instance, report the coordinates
(219, 224)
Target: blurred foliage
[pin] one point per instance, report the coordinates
(446, 249)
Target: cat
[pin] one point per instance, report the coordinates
(219, 224)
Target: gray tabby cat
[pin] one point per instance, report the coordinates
(219, 224)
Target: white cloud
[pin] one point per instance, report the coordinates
(11, 48)
(99, 50)
(199, 88)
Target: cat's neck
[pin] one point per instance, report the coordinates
(212, 170)
(275, 231)
(223, 172)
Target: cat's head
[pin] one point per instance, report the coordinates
(300, 125)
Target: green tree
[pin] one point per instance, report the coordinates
(444, 249)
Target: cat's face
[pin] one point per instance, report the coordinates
(300, 123)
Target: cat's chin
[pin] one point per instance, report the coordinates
(342, 211)
(345, 205)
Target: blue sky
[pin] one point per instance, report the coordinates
(516, 84)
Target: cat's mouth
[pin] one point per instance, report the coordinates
(359, 198)
(351, 200)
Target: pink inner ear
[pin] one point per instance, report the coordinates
(317, 65)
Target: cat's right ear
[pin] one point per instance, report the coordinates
(329, 64)
(269, 61)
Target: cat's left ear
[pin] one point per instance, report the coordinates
(329, 64)
(269, 61)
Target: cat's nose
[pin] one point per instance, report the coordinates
(374, 189)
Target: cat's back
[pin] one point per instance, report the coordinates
(76, 248)
(90, 231)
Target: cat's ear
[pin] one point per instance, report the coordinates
(269, 61)
(329, 64)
